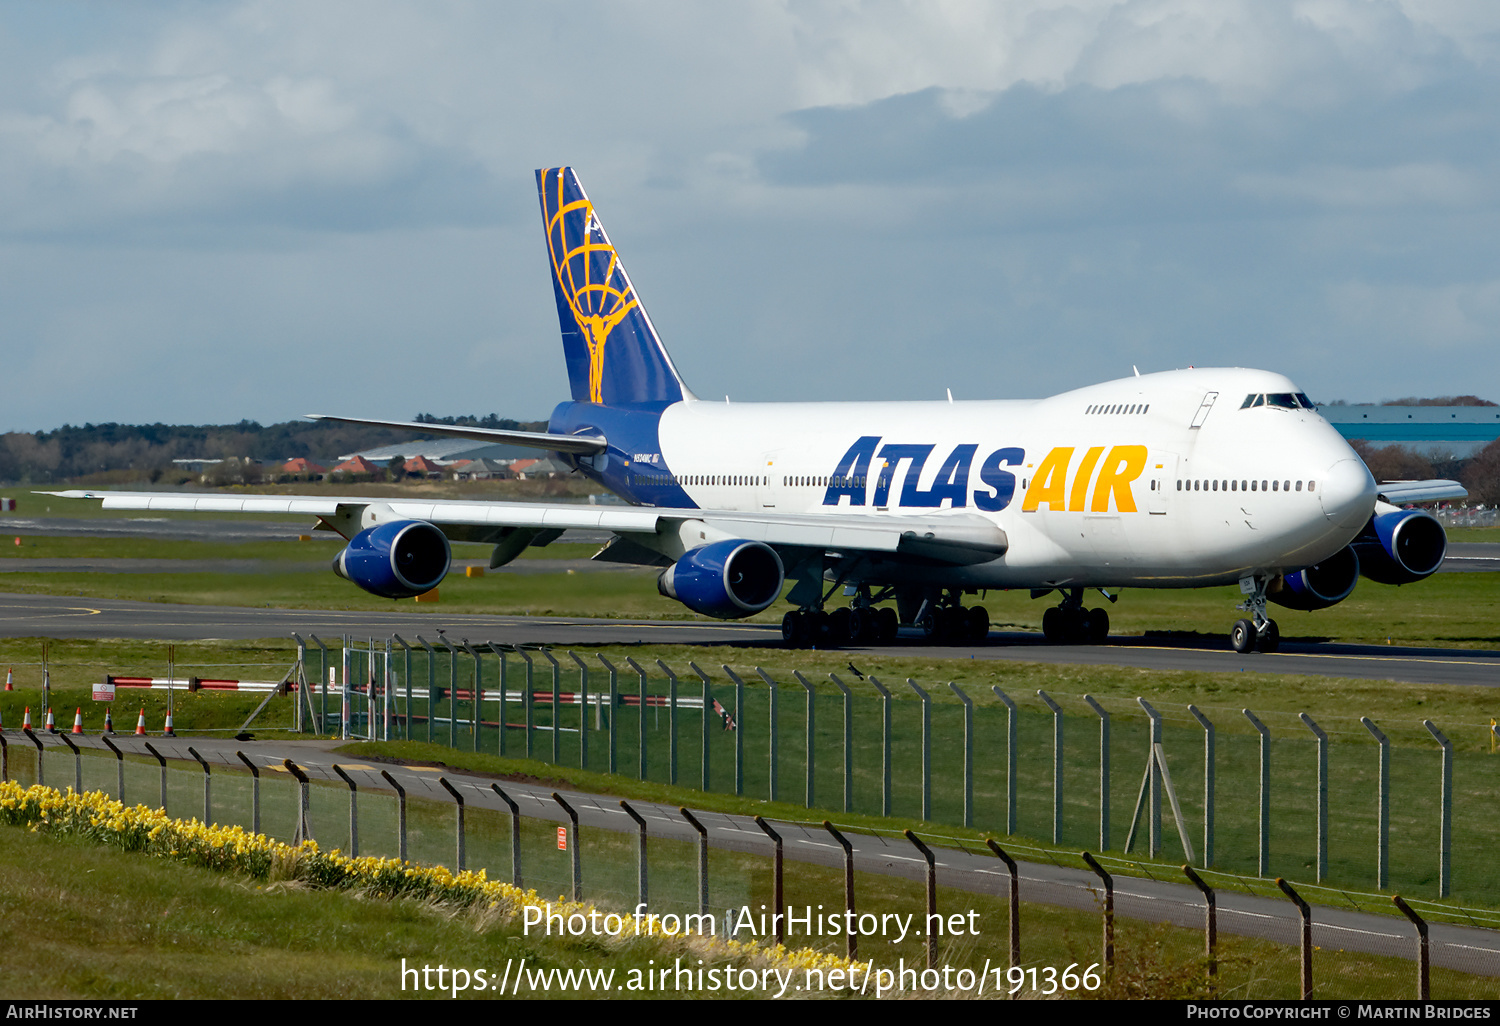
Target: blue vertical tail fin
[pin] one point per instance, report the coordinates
(613, 353)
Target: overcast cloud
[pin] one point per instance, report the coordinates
(211, 212)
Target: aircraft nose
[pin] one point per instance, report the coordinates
(1348, 494)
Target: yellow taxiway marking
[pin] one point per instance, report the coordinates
(1338, 655)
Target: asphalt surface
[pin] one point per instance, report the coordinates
(973, 869)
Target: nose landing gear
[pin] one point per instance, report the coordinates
(1259, 631)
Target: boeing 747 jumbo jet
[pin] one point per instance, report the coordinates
(1182, 479)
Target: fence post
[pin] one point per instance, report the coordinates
(848, 741)
(501, 715)
(1153, 778)
(515, 834)
(208, 808)
(431, 688)
(1010, 759)
(583, 710)
(478, 690)
(739, 733)
(1210, 925)
(298, 724)
(461, 838)
(1057, 765)
(303, 832)
(702, 859)
(885, 745)
(708, 699)
(614, 703)
(1208, 784)
(344, 689)
(161, 762)
(1264, 862)
(968, 753)
(406, 675)
(556, 707)
(1306, 911)
(778, 861)
(773, 750)
(1445, 847)
(1109, 911)
(400, 812)
(1103, 715)
(528, 697)
(640, 858)
(254, 792)
(851, 948)
(119, 770)
(577, 859)
(322, 683)
(453, 693)
(642, 753)
(77, 764)
(1383, 806)
(931, 896)
(353, 810)
(926, 749)
(1424, 989)
(5, 765)
(1322, 737)
(812, 738)
(1015, 901)
(671, 720)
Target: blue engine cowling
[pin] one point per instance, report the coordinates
(1321, 585)
(396, 560)
(727, 579)
(1401, 546)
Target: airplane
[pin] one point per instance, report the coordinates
(1179, 479)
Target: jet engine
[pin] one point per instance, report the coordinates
(1401, 546)
(728, 579)
(1321, 585)
(396, 560)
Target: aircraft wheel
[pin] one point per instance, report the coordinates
(1052, 625)
(1270, 637)
(979, 623)
(860, 625)
(789, 628)
(887, 623)
(1078, 626)
(1242, 636)
(1098, 626)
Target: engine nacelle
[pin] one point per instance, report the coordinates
(728, 579)
(1321, 585)
(396, 560)
(1401, 546)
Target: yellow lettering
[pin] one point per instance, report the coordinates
(1123, 465)
(1049, 485)
(1081, 479)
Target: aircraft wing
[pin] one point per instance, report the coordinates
(1399, 492)
(953, 538)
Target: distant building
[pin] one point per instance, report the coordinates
(421, 466)
(480, 470)
(1460, 430)
(302, 466)
(357, 465)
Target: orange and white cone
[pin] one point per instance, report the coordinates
(26, 720)
(51, 721)
(10, 678)
(78, 721)
(168, 732)
(109, 721)
(140, 724)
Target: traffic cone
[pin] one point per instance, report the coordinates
(10, 678)
(26, 720)
(51, 721)
(78, 721)
(168, 732)
(140, 724)
(109, 721)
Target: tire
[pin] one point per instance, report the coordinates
(887, 623)
(1270, 637)
(1242, 636)
(1098, 626)
(789, 629)
(1052, 625)
(839, 633)
(979, 623)
(861, 625)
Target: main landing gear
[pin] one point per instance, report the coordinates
(1068, 623)
(951, 622)
(1260, 631)
(854, 625)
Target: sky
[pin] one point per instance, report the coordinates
(216, 211)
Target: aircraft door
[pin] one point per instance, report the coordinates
(1161, 474)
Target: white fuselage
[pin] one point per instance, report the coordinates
(1160, 480)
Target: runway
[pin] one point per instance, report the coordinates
(53, 616)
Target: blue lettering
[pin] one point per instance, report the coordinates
(891, 457)
(952, 482)
(1002, 481)
(848, 480)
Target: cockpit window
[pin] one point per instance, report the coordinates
(1307, 404)
(1282, 400)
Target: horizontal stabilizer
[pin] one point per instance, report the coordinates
(578, 445)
